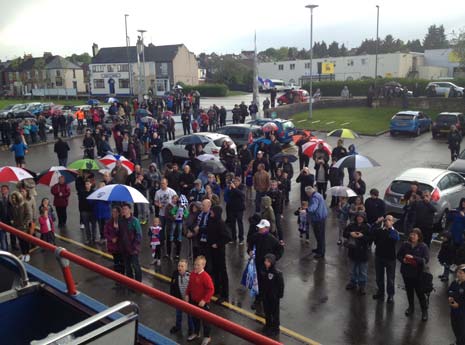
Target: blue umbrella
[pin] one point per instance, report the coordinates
(112, 100)
(255, 145)
(118, 192)
(279, 157)
(93, 102)
(142, 113)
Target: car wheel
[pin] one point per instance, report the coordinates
(393, 134)
(418, 132)
(167, 156)
(459, 94)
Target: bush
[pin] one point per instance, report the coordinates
(207, 90)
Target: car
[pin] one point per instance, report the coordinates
(5, 112)
(293, 96)
(177, 148)
(441, 126)
(241, 133)
(442, 88)
(459, 164)
(446, 187)
(286, 128)
(408, 121)
(23, 115)
(34, 108)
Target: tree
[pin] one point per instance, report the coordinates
(80, 58)
(343, 50)
(292, 53)
(333, 49)
(435, 38)
(458, 44)
(415, 46)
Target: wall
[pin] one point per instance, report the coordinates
(185, 67)
(441, 58)
(432, 72)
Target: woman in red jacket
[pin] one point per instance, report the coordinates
(61, 193)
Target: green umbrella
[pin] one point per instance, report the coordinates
(84, 164)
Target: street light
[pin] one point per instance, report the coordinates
(127, 52)
(143, 56)
(377, 44)
(311, 7)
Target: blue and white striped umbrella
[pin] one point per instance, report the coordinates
(118, 192)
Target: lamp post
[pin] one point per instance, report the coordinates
(143, 58)
(127, 53)
(310, 107)
(377, 44)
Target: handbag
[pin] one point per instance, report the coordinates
(426, 282)
(350, 243)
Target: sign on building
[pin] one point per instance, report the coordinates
(327, 68)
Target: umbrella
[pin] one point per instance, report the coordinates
(342, 191)
(93, 102)
(13, 174)
(147, 119)
(178, 87)
(215, 167)
(310, 147)
(104, 171)
(206, 157)
(118, 193)
(194, 140)
(270, 127)
(343, 133)
(279, 157)
(143, 112)
(84, 164)
(168, 113)
(110, 162)
(300, 134)
(112, 100)
(50, 177)
(356, 162)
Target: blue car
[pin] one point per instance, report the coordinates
(414, 122)
(286, 128)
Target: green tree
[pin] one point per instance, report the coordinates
(415, 46)
(292, 53)
(458, 44)
(333, 49)
(435, 38)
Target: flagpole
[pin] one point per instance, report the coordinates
(255, 98)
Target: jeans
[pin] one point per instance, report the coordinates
(63, 162)
(359, 273)
(236, 216)
(319, 232)
(258, 200)
(322, 186)
(90, 225)
(118, 263)
(186, 127)
(389, 266)
(132, 267)
(3, 241)
(142, 212)
(206, 326)
(190, 323)
(157, 159)
(62, 216)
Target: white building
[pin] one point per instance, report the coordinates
(394, 65)
(442, 58)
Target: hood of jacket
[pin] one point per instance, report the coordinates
(19, 198)
(266, 202)
(217, 211)
(271, 258)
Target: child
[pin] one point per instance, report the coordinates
(155, 238)
(199, 292)
(342, 214)
(47, 228)
(179, 283)
(446, 256)
(179, 212)
(45, 204)
(272, 290)
(303, 221)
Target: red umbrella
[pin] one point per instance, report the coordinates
(168, 113)
(270, 127)
(110, 162)
(309, 148)
(301, 134)
(13, 174)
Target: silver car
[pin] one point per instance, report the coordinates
(446, 187)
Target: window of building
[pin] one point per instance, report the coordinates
(292, 66)
(363, 61)
(75, 85)
(350, 62)
(280, 67)
(99, 83)
(307, 65)
(123, 83)
(164, 69)
(58, 81)
(162, 85)
(11, 76)
(109, 68)
(98, 68)
(58, 73)
(74, 73)
(123, 68)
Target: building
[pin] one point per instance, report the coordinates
(164, 67)
(393, 65)
(445, 58)
(47, 75)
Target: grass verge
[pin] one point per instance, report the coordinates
(5, 102)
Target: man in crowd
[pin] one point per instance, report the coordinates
(261, 183)
(318, 212)
(130, 236)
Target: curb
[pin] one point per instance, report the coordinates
(360, 133)
(53, 141)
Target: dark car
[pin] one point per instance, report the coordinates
(242, 133)
(459, 164)
(23, 115)
(286, 128)
(443, 122)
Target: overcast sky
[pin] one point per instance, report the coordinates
(64, 27)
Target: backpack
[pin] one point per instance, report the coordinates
(426, 282)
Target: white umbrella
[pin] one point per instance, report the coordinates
(341, 191)
(206, 157)
(13, 174)
(356, 162)
(118, 192)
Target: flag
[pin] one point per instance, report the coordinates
(249, 277)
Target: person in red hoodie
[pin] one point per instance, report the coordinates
(199, 292)
(61, 193)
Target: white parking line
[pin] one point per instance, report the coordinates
(301, 121)
(316, 121)
(345, 123)
(328, 123)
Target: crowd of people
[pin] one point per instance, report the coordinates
(186, 207)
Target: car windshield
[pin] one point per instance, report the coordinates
(403, 117)
(288, 125)
(402, 187)
(219, 142)
(8, 107)
(447, 118)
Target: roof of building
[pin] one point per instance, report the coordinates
(59, 62)
(28, 64)
(152, 53)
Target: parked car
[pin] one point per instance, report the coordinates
(442, 88)
(441, 126)
(5, 112)
(177, 148)
(23, 115)
(286, 128)
(446, 187)
(34, 108)
(242, 133)
(293, 96)
(414, 122)
(459, 164)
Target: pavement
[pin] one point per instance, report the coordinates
(316, 308)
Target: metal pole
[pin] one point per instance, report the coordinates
(127, 53)
(377, 44)
(139, 91)
(310, 101)
(143, 59)
(255, 76)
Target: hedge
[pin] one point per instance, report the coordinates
(360, 87)
(207, 90)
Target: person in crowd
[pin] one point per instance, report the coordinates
(45, 205)
(424, 212)
(178, 286)
(87, 213)
(321, 176)
(357, 237)
(414, 256)
(375, 207)
(273, 149)
(21, 218)
(20, 150)
(456, 299)
(111, 233)
(5, 217)
(186, 180)
(342, 214)
(212, 182)
(306, 179)
(318, 212)
(261, 183)
(130, 236)
(156, 145)
(119, 173)
(357, 184)
(385, 237)
(303, 221)
(61, 148)
(267, 212)
(186, 121)
(172, 176)
(454, 139)
(199, 292)
(197, 193)
(235, 207)
(272, 291)
(30, 202)
(446, 256)
(102, 214)
(350, 170)
(178, 213)
(142, 209)
(277, 203)
(155, 241)
(46, 227)
(215, 199)
(356, 207)
(162, 199)
(191, 230)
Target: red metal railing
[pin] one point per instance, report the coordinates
(161, 296)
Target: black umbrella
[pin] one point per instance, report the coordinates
(279, 157)
(194, 140)
(213, 166)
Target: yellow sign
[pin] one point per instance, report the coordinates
(387, 75)
(327, 68)
(453, 57)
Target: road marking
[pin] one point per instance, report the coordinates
(328, 123)
(345, 123)
(301, 121)
(228, 305)
(316, 121)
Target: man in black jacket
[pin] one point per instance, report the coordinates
(339, 151)
(222, 113)
(61, 148)
(5, 217)
(273, 149)
(385, 238)
(186, 121)
(357, 185)
(277, 203)
(453, 140)
(235, 207)
(424, 212)
(305, 179)
(375, 207)
(272, 290)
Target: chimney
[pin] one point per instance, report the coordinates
(47, 55)
(27, 57)
(94, 49)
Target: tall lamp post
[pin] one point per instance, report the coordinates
(310, 107)
(377, 44)
(127, 53)
(143, 57)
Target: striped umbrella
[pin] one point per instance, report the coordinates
(344, 133)
(356, 162)
(50, 177)
(270, 127)
(110, 162)
(118, 192)
(13, 174)
(309, 148)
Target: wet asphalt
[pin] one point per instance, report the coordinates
(316, 305)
